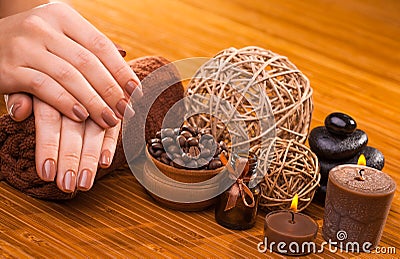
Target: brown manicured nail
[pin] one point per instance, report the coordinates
(109, 117)
(121, 51)
(80, 112)
(105, 159)
(14, 107)
(69, 181)
(121, 106)
(130, 87)
(49, 170)
(85, 179)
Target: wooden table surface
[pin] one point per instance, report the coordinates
(349, 49)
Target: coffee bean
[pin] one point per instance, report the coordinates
(205, 131)
(157, 146)
(151, 151)
(158, 134)
(205, 152)
(192, 141)
(154, 140)
(223, 145)
(178, 163)
(177, 131)
(191, 129)
(214, 164)
(185, 158)
(173, 149)
(202, 162)
(181, 140)
(217, 151)
(194, 151)
(164, 155)
(165, 160)
(177, 155)
(167, 132)
(186, 134)
(186, 149)
(191, 164)
(155, 153)
(167, 141)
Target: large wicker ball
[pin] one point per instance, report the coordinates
(292, 169)
(250, 79)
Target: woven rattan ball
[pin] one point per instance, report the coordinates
(292, 168)
(284, 88)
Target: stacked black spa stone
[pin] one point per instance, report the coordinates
(340, 142)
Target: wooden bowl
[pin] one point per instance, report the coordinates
(183, 186)
(184, 175)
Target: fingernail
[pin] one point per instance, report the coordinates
(133, 88)
(13, 108)
(85, 179)
(49, 170)
(121, 106)
(69, 181)
(109, 117)
(80, 112)
(120, 50)
(137, 94)
(105, 159)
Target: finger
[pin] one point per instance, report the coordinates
(48, 127)
(81, 31)
(73, 81)
(69, 154)
(90, 70)
(19, 106)
(51, 92)
(90, 155)
(109, 145)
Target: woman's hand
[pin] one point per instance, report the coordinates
(55, 54)
(68, 151)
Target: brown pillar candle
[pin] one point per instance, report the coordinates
(357, 203)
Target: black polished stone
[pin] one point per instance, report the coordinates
(340, 123)
(336, 147)
(373, 156)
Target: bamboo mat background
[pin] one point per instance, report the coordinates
(348, 49)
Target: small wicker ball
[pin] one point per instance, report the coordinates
(252, 78)
(292, 169)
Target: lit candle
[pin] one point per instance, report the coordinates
(287, 231)
(357, 203)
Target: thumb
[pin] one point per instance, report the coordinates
(19, 106)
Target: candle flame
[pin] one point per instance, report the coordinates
(362, 160)
(295, 201)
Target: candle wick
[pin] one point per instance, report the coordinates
(361, 175)
(292, 221)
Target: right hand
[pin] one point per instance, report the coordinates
(55, 54)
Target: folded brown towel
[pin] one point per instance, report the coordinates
(17, 139)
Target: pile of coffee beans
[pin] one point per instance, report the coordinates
(187, 147)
